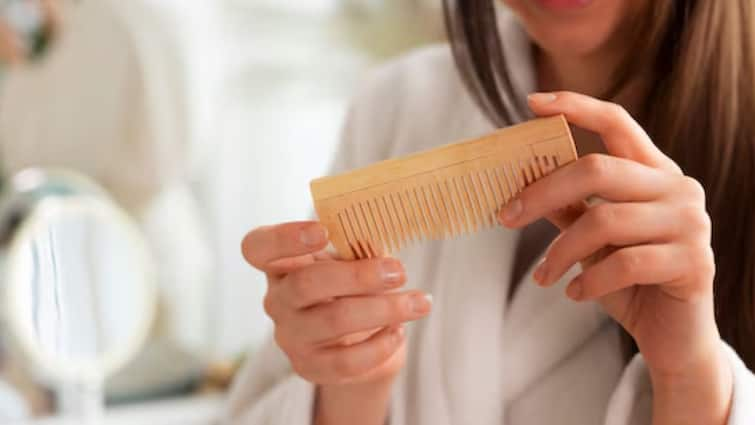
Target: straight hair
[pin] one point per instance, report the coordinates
(699, 110)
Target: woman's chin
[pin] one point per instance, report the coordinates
(576, 30)
(566, 39)
(564, 5)
(572, 26)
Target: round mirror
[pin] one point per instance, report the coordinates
(79, 295)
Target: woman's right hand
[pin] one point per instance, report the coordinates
(339, 322)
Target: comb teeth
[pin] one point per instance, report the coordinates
(446, 192)
(449, 208)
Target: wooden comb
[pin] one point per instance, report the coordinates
(443, 192)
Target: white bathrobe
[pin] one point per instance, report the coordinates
(540, 359)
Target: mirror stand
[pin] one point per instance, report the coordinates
(78, 293)
(83, 399)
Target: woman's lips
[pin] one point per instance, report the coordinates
(564, 4)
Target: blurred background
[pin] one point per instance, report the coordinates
(199, 119)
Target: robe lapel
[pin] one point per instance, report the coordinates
(456, 354)
(541, 328)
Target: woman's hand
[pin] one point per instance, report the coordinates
(645, 253)
(339, 322)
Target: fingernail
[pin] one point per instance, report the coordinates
(313, 235)
(541, 98)
(541, 272)
(574, 290)
(391, 272)
(421, 303)
(511, 211)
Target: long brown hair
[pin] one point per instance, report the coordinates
(699, 109)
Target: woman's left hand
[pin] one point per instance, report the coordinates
(645, 251)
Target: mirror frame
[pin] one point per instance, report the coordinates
(14, 282)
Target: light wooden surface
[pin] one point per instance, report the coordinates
(445, 192)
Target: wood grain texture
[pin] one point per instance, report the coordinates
(446, 192)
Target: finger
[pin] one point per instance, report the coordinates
(333, 321)
(323, 281)
(603, 226)
(283, 266)
(264, 245)
(566, 216)
(638, 265)
(344, 363)
(621, 134)
(610, 178)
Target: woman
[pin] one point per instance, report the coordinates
(637, 267)
(26, 29)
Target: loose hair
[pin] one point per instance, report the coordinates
(699, 110)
